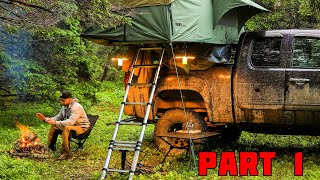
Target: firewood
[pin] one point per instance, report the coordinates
(25, 154)
(40, 156)
(29, 146)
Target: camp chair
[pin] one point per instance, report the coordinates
(81, 139)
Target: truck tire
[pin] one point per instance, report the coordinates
(172, 121)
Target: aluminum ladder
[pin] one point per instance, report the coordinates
(125, 146)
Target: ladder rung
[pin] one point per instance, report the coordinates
(141, 84)
(129, 119)
(124, 145)
(130, 123)
(125, 123)
(118, 170)
(151, 48)
(124, 149)
(136, 103)
(127, 142)
(146, 66)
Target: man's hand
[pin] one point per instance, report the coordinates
(43, 118)
(51, 121)
(40, 116)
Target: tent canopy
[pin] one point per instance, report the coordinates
(174, 21)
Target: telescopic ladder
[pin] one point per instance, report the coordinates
(125, 146)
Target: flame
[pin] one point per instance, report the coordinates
(27, 137)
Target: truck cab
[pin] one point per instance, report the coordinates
(276, 79)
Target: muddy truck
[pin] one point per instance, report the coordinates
(268, 83)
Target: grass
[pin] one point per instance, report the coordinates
(87, 163)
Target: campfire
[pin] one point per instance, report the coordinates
(28, 145)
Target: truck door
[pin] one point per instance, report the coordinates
(259, 78)
(302, 101)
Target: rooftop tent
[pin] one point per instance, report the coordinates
(164, 21)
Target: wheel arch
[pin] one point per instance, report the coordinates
(168, 94)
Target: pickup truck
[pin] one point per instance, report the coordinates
(268, 83)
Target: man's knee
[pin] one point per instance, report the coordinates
(67, 128)
(73, 129)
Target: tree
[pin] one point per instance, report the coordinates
(58, 58)
(286, 14)
(49, 12)
(39, 12)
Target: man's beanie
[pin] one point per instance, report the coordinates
(65, 94)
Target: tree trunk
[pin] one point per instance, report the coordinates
(105, 73)
(296, 14)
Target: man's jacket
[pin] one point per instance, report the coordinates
(73, 115)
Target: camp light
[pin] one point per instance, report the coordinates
(184, 60)
(120, 60)
(185, 57)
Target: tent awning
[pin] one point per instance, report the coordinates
(244, 8)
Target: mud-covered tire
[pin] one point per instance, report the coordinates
(172, 121)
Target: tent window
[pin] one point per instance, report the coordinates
(266, 51)
(306, 52)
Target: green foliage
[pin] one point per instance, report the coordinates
(81, 65)
(101, 13)
(305, 8)
(286, 14)
(27, 78)
(60, 60)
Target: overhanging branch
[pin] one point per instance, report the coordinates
(32, 5)
(25, 4)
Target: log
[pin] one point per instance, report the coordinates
(25, 154)
(40, 156)
(32, 155)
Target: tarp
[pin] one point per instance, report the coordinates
(204, 21)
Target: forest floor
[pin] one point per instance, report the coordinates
(88, 162)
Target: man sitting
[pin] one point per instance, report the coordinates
(71, 117)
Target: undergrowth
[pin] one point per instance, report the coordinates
(87, 163)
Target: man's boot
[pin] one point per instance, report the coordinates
(65, 156)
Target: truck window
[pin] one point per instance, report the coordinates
(266, 51)
(306, 52)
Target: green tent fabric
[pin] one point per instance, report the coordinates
(168, 21)
(244, 9)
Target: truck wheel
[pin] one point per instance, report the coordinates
(173, 121)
